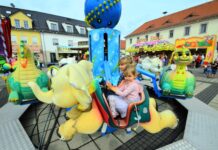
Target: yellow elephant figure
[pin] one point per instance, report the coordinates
(74, 85)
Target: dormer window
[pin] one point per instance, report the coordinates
(82, 30)
(166, 22)
(54, 26)
(8, 12)
(151, 26)
(26, 26)
(17, 23)
(190, 16)
(70, 29)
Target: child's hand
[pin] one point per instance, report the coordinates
(109, 85)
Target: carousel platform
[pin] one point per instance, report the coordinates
(12, 134)
(200, 130)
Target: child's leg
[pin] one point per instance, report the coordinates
(112, 99)
(121, 106)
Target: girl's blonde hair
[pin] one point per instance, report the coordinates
(130, 69)
(126, 60)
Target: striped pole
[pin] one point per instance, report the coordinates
(3, 39)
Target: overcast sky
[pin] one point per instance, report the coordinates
(134, 12)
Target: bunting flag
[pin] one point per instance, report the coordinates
(5, 38)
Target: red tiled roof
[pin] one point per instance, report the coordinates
(123, 44)
(199, 12)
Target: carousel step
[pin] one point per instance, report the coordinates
(13, 136)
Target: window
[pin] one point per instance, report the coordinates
(203, 28)
(54, 26)
(187, 31)
(130, 41)
(158, 35)
(8, 12)
(53, 57)
(17, 23)
(82, 31)
(138, 38)
(70, 42)
(26, 26)
(171, 34)
(146, 37)
(34, 40)
(83, 43)
(13, 39)
(70, 29)
(55, 41)
(24, 39)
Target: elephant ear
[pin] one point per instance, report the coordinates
(87, 65)
(83, 97)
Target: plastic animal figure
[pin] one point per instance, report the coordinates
(25, 72)
(73, 85)
(4, 66)
(153, 65)
(178, 81)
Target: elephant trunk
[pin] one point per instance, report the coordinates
(46, 97)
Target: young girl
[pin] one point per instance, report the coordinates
(127, 92)
(124, 62)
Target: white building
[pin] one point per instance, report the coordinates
(63, 37)
(188, 27)
(54, 35)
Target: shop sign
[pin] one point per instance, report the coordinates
(196, 42)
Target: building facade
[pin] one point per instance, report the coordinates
(194, 25)
(22, 30)
(48, 36)
(58, 46)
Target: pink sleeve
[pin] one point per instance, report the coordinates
(126, 91)
(121, 87)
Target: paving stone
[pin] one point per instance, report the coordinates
(123, 136)
(200, 87)
(78, 140)
(41, 127)
(96, 135)
(58, 145)
(89, 146)
(208, 94)
(108, 142)
(36, 139)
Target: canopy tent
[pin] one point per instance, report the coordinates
(152, 46)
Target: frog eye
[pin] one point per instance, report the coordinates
(180, 53)
(187, 53)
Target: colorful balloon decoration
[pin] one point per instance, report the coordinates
(102, 13)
